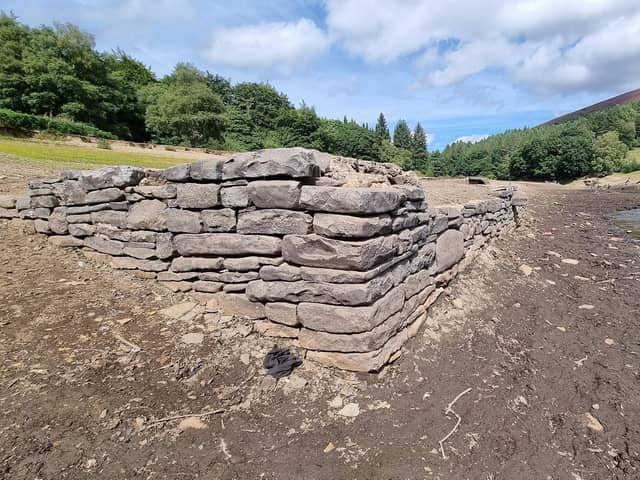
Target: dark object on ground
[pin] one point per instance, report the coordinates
(476, 181)
(280, 362)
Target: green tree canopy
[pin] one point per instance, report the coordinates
(402, 135)
(382, 129)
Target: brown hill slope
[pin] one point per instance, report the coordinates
(632, 96)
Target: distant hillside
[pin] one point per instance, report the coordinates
(632, 96)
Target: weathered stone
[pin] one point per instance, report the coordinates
(156, 191)
(245, 264)
(346, 226)
(424, 257)
(449, 249)
(193, 264)
(440, 224)
(333, 293)
(208, 287)
(164, 246)
(234, 287)
(79, 210)
(236, 197)
(58, 221)
(65, 241)
(35, 213)
(35, 192)
(284, 272)
(226, 244)
(206, 170)
(198, 195)
(178, 173)
(409, 220)
(229, 277)
(7, 202)
(269, 329)
(344, 319)
(104, 195)
(177, 277)
(139, 253)
(183, 221)
(126, 263)
(116, 219)
(316, 251)
(369, 361)
(48, 201)
(284, 313)
(331, 275)
(413, 193)
(148, 215)
(223, 220)
(81, 229)
(274, 222)
(111, 177)
(236, 304)
(359, 201)
(274, 193)
(41, 226)
(104, 245)
(289, 162)
(8, 213)
(121, 206)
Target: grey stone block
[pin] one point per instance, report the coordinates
(148, 215)
(226, 244)
(206, 170)
(284, 272)
(284, 313)
(223, 220)
(104, 196)
(235, 197)
(347, 226)
(183, 221)
(116, 219)
(449, 249)
(198, 195)
(316, 251)
(274, 193)
(274, 222)
(359, 201)
(288, 162)
(178, 173)
(193, 264)
(111, 177)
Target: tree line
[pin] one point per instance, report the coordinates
(55, 72)
(594, 144)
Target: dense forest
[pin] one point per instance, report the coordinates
(53, 77)
(595, 144)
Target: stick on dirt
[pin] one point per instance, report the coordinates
(186, 415)
(458, 421)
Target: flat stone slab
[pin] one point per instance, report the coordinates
(274, 222)
(235, 304)
(348, 226)
(226, 244)
(449, 249)
(111, 177)
(198, 195)
(360, 201)
(274, 193)
(316, 251)
(148, 215)
(288, 162)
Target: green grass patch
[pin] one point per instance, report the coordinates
(52, 155)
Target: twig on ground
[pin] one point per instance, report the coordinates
(186, 415)
(458, 421)
(133, 346)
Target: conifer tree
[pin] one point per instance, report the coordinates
(382, 129)
(402, 135)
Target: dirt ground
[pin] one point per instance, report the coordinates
(93, 374)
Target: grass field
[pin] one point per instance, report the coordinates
(54, 155)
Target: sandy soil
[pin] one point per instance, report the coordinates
(538, 353)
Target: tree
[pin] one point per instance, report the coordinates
(609, 154)
(183, 110)
(419, 155)
(402, 135)
(382, 129)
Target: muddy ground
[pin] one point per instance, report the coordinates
(92, 372)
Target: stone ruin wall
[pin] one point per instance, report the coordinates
(348, 273)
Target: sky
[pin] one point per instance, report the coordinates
(463, 69)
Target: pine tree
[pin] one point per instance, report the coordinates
(402, 135)
(419, 155)
(382, 129)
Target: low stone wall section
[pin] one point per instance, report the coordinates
(349, 273)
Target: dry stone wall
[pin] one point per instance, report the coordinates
(347, 272)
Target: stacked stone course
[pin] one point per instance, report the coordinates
(348, 272)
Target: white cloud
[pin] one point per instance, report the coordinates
(547, 45)
(278, 45)
(470, 138)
